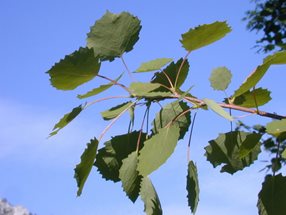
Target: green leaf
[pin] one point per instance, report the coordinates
(229, 148)
(171, 71)
(83, 169)
(220, 78)
(115, 111)
(153, 65)
(251, 99)
(129, 176)
(276, 127)
(259, 72)
(142, 89)
(149, 196)
(204, 35)
(98, 90)
(168, 113)
(113, 34)
(109, 158)
(271, 198)
(193, 186)
(67, 118)
(74, 70)
(158, 149)
(217, 109)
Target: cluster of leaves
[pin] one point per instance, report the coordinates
(269, 16)
(131, 157)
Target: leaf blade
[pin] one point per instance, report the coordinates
(218, 109)
(153, 65)
(192, 186)
(204, 35)
(113, 34)
(74, 70)
(115, 111)
(157, 149)
(220, 78)
(83, 169)
(276, 127)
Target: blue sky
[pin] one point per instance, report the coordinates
(38, 172)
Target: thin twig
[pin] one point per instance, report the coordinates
(180, 68)
(104, 99)
(139, 137)
(115, 83)
(126, 67)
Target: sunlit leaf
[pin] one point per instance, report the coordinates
(149, 196)
(115, 111)
(153, 65)
(109, 158)
(99, 89)
(276, 127)
(113, 34)
(236, 150)
(158, 149)
(204, 35)
(142, 89)
(169, 113)
(170, 73)
(251, 99)
(74, 70)
(220, 78)
(271, 198)
(67, 118)
(259, 72)
(129, 176)
(192, 187)
(83, 169)
(217, 109)
(284, 154)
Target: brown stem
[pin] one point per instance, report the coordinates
(114, 82)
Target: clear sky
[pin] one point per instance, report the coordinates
(38, 172)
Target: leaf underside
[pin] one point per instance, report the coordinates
(115, 111)
(236, 150)
(276, 127)
(217, 109)
(157, 149)
(220, 78)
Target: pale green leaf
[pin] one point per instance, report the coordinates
(74, 70)
(158, 149)
(113, 34)
(236, 150)
(171, 71)
(99, 89)
(259, 72)
(254, 98)
(220, 78)
(115, 111)
(170, 113)
(204, 35)
(141, 89)
(153, 65)
(276, 127)
(83, 169)
(149, 196)
(192, 187)
(67, 118)
(271, 198)
(217, 109)
(129, 176)
(109, 158)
